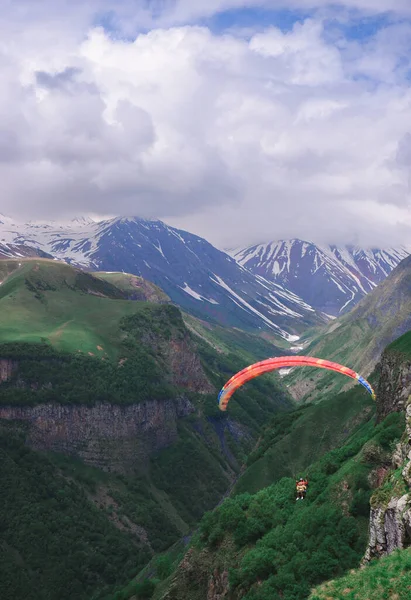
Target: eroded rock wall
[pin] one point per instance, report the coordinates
(111, 437)
(390, 515)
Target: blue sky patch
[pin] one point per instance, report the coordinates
(254, 18)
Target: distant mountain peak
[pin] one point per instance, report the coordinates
(82, 220)
(194, 274)
(330, 278)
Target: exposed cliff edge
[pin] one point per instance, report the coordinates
(113, 438)
(184, 364)
(394, 386)
(390, 515)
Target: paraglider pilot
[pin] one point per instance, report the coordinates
(301, 487)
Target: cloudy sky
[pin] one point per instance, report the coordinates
(239, 120)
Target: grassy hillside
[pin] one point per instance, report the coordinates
(49, 301)
(291, 442)
(387, 578)
(266, 545)
(79, 339)
(402, 345)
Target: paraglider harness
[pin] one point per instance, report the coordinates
(301, 488)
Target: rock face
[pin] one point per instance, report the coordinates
(113, 438)
(394, 387)
(194, 573)
(390, 516)
(7, 368)
(110, 436)
(218, 585)
(390, 528)
(185, 366)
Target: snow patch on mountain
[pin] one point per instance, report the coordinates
(331, 279)
(200, 278)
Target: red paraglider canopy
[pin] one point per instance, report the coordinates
(271, 364)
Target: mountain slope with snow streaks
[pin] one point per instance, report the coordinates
(332, 279)
(194, 274)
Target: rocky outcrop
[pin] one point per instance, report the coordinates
(194, 573)
(218, 587)
(111, 437)
(185, 366)
(390, 528)
(7, 368)
(180, 358)
(394, 386)
(390, 516)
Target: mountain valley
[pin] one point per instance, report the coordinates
(109, 416)
(282, 288)
(105, 396)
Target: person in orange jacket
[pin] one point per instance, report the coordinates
(301, 487)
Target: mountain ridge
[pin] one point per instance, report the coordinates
(331, 278)
(201, 279)
(357, 339)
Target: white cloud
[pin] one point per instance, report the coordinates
(285, 134)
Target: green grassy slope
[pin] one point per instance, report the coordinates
(387, 578)
(291, 442)
(49, 301)
(251, 347)
(402, 345)
(273, 547)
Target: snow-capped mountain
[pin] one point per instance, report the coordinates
(201, 279)
(331, 279)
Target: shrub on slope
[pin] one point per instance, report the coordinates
(274, 547)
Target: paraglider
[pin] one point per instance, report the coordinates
(270, 364)
(301, 486)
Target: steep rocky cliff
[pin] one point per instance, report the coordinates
(394, 386)
(113, 438)
(183, 364)
(390, 515)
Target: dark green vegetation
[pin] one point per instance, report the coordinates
(47, 375)
(73, 339)
(387, 578)
(276, 548)
(54, 543)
